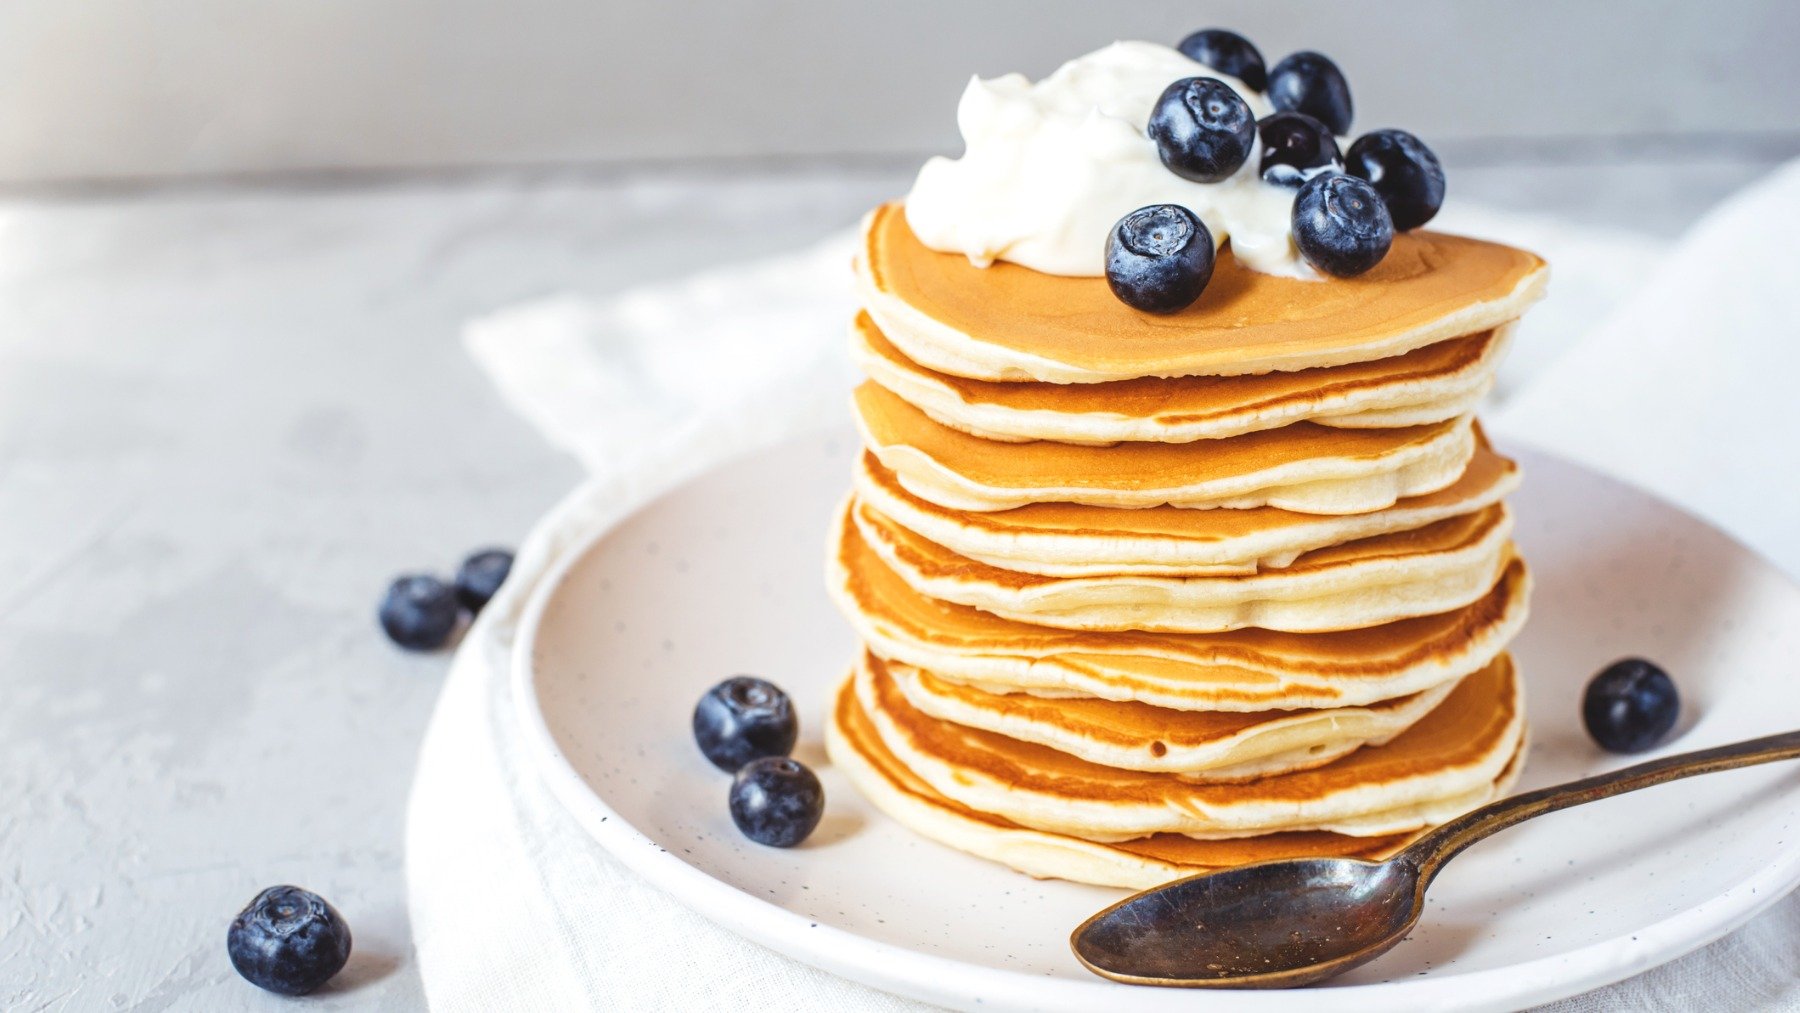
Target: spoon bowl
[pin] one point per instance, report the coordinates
(1293, 922)
(1269, 925)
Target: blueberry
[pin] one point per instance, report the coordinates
(480, 576)
(419, 612)
(1310, 83)
(1227, 53)
(776, 801)
(1404, 172)
(1159, 258)
(1203, 130)
(742, 719)
(288, 940)
(1295, 148)
(1630, 706)
(1341, 225)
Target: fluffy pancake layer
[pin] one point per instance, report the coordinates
(1304, 467)
(1368, 582)
(1243, 670)
(1435, 383)
(1215, 746)
(1440, 767)
(1010, 323)
(1072, 540)
(856, 749)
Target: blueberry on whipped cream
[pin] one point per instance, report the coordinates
(1203, 131)
(1403, 171)
(1050, 166)
(1341, 225)
(1228, 53)
(1295, 148)
(1310, 83)
(1159, 258)
(1051, 169)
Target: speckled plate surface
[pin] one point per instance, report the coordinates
(724, 575)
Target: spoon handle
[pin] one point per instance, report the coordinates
(1430, 852)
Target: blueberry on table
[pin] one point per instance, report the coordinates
(1227, 53)
(1295, 148)
(419, 612)
(1307, 82)
(288, 940)
(480, 576)
(1403, 171)
(1630, 706)
(1341, 226)
(1159, 258)
(743, 719)
(776, 801)
(1203, 130)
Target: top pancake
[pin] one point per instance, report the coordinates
(1007, 322)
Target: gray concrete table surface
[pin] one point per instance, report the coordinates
(228, 416)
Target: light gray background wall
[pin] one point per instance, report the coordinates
(109, 89)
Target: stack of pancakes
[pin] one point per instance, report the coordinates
(1142, 596)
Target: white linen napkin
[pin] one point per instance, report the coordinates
(1689, 390)
(514, 908)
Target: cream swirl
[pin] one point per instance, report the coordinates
(1050, 167)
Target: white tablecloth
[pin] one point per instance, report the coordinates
(1669, 368)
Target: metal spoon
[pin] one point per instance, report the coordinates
(1292, 922)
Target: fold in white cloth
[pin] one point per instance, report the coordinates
(515, 908)
(756, 345)
(1689, 390)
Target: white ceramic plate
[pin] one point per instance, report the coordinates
(725, 575)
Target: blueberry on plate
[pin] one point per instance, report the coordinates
(776, 801)
(1630, 706)
(419, 612)
(1295, 148)
(1403, 171)
(1227, 53)
(1341, 225)
(1203, 130)
(480, 576)
(743, 719)
(1159, 258)
(1307, 82)
(288, 940)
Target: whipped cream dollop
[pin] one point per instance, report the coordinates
(1049, 169)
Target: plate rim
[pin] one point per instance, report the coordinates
(939, 979)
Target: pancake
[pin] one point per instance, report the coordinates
(855, 749)
(1244, 670)
(1206, 746)
(1008, 323)
(1070, 540)
(1369, 582)
(1442, 766)
(1430, 384)
(1304, 467)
